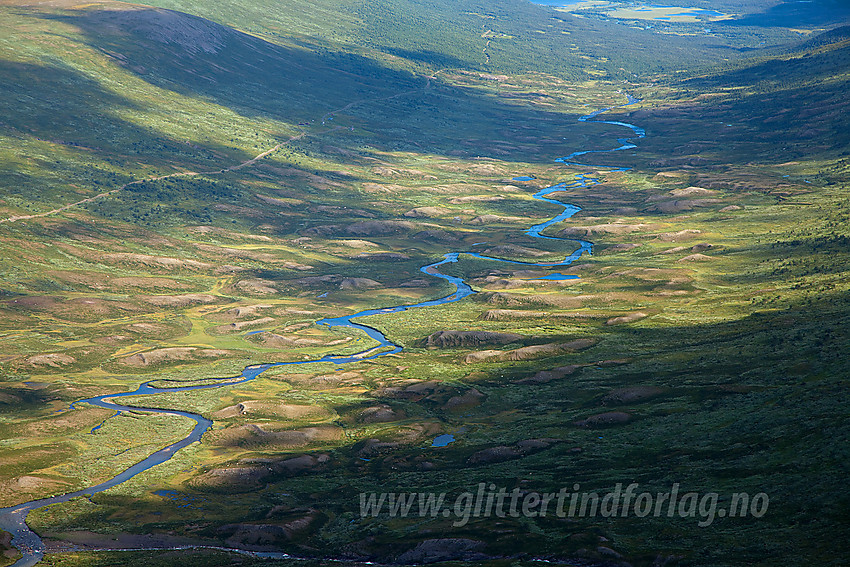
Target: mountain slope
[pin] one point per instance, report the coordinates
(518, 36)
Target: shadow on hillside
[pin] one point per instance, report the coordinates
(60, 105)
(429, 57)
(196, 57)
(738, 410)
(797, 14)
(810, 64)
(14, 399)
(773, 111)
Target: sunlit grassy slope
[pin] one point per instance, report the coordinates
(712, 317)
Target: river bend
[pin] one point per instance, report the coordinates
(13, 519)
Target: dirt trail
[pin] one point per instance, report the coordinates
(486, 35)
(15, 218)
(235, 167)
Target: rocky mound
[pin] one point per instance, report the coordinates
(503, 453)
(242, 325)
(273, 340)
(606, 419)
(687, 234)
(245, 310)
(256, 435)
(691, 191)
(179, 300)
(256, 286)
(636, 316)
(695, 258)
(155, 261)
(495, 219)
(514, 251)
(382, 257)
(469, 399)
(449, 339)
(613, 228)
(527, 353)
(359, 283)
(632, 395)
(545, 376)
(439, 550)
(378, 228)
(476, 199)
(514, 314)
(342, 282)
(494, 455)
(259, 407)
(235, 479)
(267, 536)
(426, 212)
(172, 354)
(437, 235)
(622, 247)
(379, 414)
(54, 359)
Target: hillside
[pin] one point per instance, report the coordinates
(775, 109)
(502, 36)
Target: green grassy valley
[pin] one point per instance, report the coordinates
(191, 190)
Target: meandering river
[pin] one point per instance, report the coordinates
(13, 519)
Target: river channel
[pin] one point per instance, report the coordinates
(13, 519)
